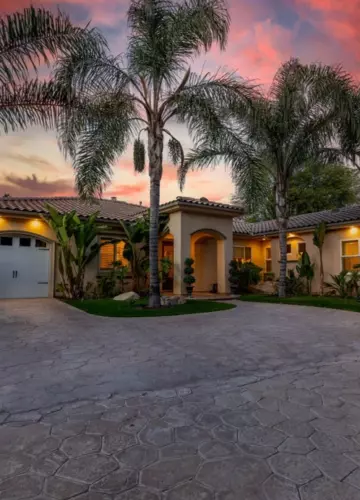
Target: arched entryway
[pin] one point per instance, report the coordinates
(207, 250)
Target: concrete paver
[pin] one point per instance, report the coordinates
(261, 402)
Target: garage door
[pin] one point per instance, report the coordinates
(24, 267)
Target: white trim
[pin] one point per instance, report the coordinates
(341, 254)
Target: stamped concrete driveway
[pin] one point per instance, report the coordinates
(258, 403)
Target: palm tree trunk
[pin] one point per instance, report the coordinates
(156, 146)
(321, 272)
(282, 220)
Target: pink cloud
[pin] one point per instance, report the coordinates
(340, 21)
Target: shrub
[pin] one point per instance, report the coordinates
(189, 278)
(242, 275)
(294, 285)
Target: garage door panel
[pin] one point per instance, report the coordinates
(24, 268)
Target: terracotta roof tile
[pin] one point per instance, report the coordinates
(108, 209)
(202, 202)
(350, 213)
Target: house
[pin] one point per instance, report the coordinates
(212, 233)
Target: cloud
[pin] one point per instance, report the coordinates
(30, 160)
(31, 186)
(339, 22)
(129, 192)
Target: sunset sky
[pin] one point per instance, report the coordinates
(264, 33)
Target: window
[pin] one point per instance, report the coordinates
(242, 253)
(288, 248)
(40, 243)
(268, 262)
(350, 254)
(301, 248)
(25, 242)
(110, 253)
(6, 241)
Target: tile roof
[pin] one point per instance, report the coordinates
(350, 213)
(108, 209)
(204, 202)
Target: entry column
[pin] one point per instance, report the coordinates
(181, 250)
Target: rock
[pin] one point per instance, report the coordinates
(169, 301)
(131, 296)
(265, 287)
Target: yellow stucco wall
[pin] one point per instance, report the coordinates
(186, 227)
(257, 249)
(331, 252)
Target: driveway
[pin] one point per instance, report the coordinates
(261, 402)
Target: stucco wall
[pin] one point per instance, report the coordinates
(331, 252)
(257, 249)
(183, 226)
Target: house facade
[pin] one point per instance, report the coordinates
(211, 233)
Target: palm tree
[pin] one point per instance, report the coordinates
(28, 39)
(143, 92)
(319, 240)
(295, 121)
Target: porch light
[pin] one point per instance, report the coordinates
(291, 235)
(353, 230)
(35, 223)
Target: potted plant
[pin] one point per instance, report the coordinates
(189, 278)
(234, 276)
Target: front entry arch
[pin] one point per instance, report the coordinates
(207, 250)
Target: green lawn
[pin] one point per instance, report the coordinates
(330, 302)
(117, 309)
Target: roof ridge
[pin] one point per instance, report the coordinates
(42, 198)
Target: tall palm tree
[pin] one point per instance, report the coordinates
(295, 121)
(144, 91)
(319, 240)
(28, 39)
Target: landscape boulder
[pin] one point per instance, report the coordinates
(130, 296)
(175, 300)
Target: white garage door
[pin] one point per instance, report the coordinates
(24, 267)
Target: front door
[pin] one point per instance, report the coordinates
(168, 252)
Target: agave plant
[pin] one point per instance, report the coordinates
(339, 284)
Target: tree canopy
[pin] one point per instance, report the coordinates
(314, 188)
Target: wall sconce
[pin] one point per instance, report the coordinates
(353, 230)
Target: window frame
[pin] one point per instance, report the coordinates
(268, 260)
(348, 240)
(301, 243)
(243, 258)
(114, 244)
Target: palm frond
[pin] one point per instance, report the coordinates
(31, 103)
(176, 152)
(206, 102)
(36, 35)
(93, 134)
(165, 35)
